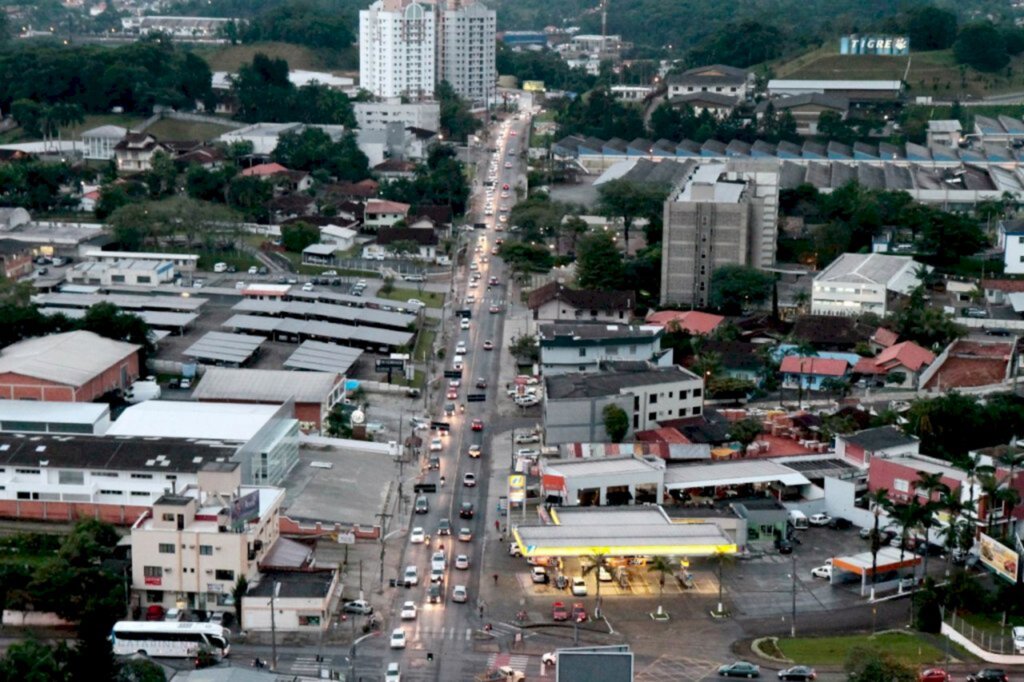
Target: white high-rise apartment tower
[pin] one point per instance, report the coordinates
(466, 50)
(397, 48)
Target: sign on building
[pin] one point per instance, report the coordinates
(244, 509)
(876, 45)
(1001, 559)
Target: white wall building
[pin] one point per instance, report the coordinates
(142, 273)
(467, 45)
(377, 115)
(1011, 238)
(98, 143)
(38, 416)
(858, 283)
(571, 347)
(397, 46)
(302, 602)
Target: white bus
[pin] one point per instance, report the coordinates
(169, 639)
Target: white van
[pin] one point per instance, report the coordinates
(220, 267)
(142, 390)
(798, 519)
(1018, 639)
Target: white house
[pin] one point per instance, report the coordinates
(1011, 239)
(425, 242)
(301, 601)
(343, 238)
(715, 78)
(98, 143)
(583, 346)
(380, 213)
(858, 283)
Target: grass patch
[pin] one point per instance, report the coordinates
(230, 57)
(170, 129)
(424, 342)
(906, 648)
(433, 299)
(990, 623)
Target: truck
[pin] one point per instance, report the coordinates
(143, 390)
(503, 674)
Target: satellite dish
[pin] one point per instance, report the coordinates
(358, 417)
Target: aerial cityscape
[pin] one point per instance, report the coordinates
(494, 341)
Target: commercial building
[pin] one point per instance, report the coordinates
(191, 549)
(265, 437)
(467, 46)
(716, 78)
(556, 302)
(603, 481)
(313, 393)
(583, 346)
(397, 47)
(857, 283)
(60, 478)
(185, 262)
(719, 214)
(944, 133)
(98, 143)
(34, 416)
(15, 259)
(77, 366)
(806, 109)
(142, 273)
(856, 91)
(574, 403)
(861, 447)
(302, 602)
(378, 115)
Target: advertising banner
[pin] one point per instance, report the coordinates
(892, 46)
(1000, 558)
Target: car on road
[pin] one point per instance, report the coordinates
(513, 549)
(418, 536)
(455, 383)
(438, 560)
(783, 545)
(820, 519)
(839, 523)
(453, 394)
(933, 675)
(393, 673)
(989, 675)
(253, 270)
(481, 382)
(436, 575)
(308, 286)
(469, 480)
(799, 673)
(444, 527)
(505, 187)
(478, 425)
(579, 612)
(465, 535)
(488, 345)
(494, 309)
(434, 593)
(422, 506)
(449, 408)
(411, 577)
(459, 594)
(578, 586)
(558, 612)
(466, 510)
(508, 164)
(398, 638)
(462, 562)
(464, 323)
(436, 445)
(739, 669)
(526, 438)
(822, 572)
(409, 610)
(527, 452)
(475, 451)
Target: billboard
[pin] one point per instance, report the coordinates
(516, 488)
(1001, 559)
(244, 509)
(876, 45)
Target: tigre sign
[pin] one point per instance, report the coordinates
(877, 45)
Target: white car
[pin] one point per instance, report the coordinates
(253, 270)
(436, 445)
(462, 562)
(436, 575)
(398, 638)
(821, 519)
(308, 286)
(394, 673)
(822, 572)
(527, 438)
(459, 594)
(412, 576)
(528, 452)
(409, 610)
(418, 536)
(470, 299)
(579, 587)
(460, 349)
(437, 561)
(464, 324)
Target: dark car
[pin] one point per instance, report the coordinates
(466, 510)
(800, 673)
(989, 675)
(839, 523)
(783, 545)
(739, 669)
(444, 527)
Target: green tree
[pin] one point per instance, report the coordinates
(664, 567)
(745, 431)
(302, 23)
(251, 196)
(878, 502)
(980, 45)
(616, 422)
(916, 320)
(29, 115)
(457, 121)
(628, 201)
(870, 665)
(35, 661)
(298, 236)
(931, 28)
(240, 588)
(162, 177)
(735, 287)
(761, 43)
(523, 257)
(525, 349)
(599, 263)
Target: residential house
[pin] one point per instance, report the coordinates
(206, 157)
(692, 322)
(574, 403)
(98, 143)
(861, 447)
(573, 347)
(999, 291)
(424, 241)
(829, 332)
(716, 78)
(806, 109)
(342, 238)
(134, 153)
(15, 259)
(718, 105)
(302, 598)
(289, 206)
(810, 372)
(380, 213)
(632, 93)
(556, 302)
(857, 283)
(440, 216)
(883, 338)
(736, 359)
(395, 169)
(284, 179)
(900, 365)
(1011, 239)
(339, 192)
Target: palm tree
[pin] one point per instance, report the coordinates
(930, 484)
(598, 562)
(952, 502)
(878, 501)
(721, 556)
(908, 516)
(973, 467)
(663, 566)
(1012, 459)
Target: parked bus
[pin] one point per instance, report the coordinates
(169, 639)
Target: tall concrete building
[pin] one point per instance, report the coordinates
(397, 48)
(719, 214)
(466, 50)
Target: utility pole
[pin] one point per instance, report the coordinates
(383, 516)
(792, 618)
(273, 626)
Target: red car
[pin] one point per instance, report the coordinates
(558, 612)
(579, 612)
(453, 394)
(505, 187)
(478, 425)
(933, 675)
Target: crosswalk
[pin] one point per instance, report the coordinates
(457, 633)
(308, 665)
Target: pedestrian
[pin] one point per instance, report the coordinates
(481, 610)
(497, 524)
(495, 578)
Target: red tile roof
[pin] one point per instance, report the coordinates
(907, 354)
(692, 321)
(793, 364)
(1006, 285)
(380, 206)
(885, 337)
(264, 169)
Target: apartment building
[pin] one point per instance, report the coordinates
(397, 47)
(466, 50)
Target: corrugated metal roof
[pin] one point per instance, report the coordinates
(731, 473)
(223, 347)
(71, 359)
(325, 357)
(221, 383)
